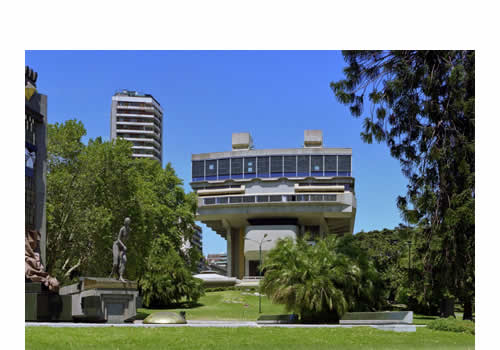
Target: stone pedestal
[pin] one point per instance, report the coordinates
(377, 318)
(40, 304)
(107, 300)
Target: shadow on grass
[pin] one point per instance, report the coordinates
(425, 317)
(181, 305)
(141, 315)
(157, 308)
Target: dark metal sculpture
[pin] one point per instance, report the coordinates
(120, 251)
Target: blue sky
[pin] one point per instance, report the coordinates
(207, 95)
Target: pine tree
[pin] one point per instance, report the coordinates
(421, 104)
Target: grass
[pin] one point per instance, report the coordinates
(423, 319)
(451, 324)
(223, 306)
(235, 305)
(241, 338)
(230, 306)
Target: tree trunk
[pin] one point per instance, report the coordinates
(447, 308)
(468, 310)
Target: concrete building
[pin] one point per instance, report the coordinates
(254, 197)
(138, 118)
(219, 260)
(35, 149)
(196, 240)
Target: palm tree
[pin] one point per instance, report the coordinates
(320, 282)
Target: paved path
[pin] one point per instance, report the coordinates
(225, 324)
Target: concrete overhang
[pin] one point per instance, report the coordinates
(306, 215)
(318, 188)
(218, 191)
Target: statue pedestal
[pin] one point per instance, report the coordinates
(95, 299)
(40, 304)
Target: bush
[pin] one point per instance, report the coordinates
(451, 324)
(168, 279)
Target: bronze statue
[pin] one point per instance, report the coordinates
(120, 251)
(33, 268)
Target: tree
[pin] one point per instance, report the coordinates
(388, 249)
(89, 192)
(91, 188)
(320, 282)
(422, 106)
(167, 278)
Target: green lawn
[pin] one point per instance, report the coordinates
(241, 338)
(230, 305)
(423, 319)
(227, 305)
(233, 305)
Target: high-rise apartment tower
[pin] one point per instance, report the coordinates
(138, 118)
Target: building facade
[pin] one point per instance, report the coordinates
(252, 198)
(138, 118)
(219, 260)
(196, 240)
(35, 176)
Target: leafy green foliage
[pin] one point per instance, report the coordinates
(92, 188)
(322, 281)
(388, 251)
(422, 106)
(167, 279)
(396, 256)
(451, 324)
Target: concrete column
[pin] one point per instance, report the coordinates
(229, 253)
(241, 253)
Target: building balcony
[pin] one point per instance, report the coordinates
(141, 134)
(141, 139)
(150, 156)
(144, 147)
(139, 108)
(134, 131)
(273, 199)
(137, 149)
(139, 124)
(140, 116)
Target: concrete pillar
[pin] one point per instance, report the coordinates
(241, 253)
(229, 253)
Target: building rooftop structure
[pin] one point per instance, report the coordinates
(247, 194)
(131, 93)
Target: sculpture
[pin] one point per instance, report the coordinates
(120, 251)
(33, 268)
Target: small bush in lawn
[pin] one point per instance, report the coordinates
(451, 324)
